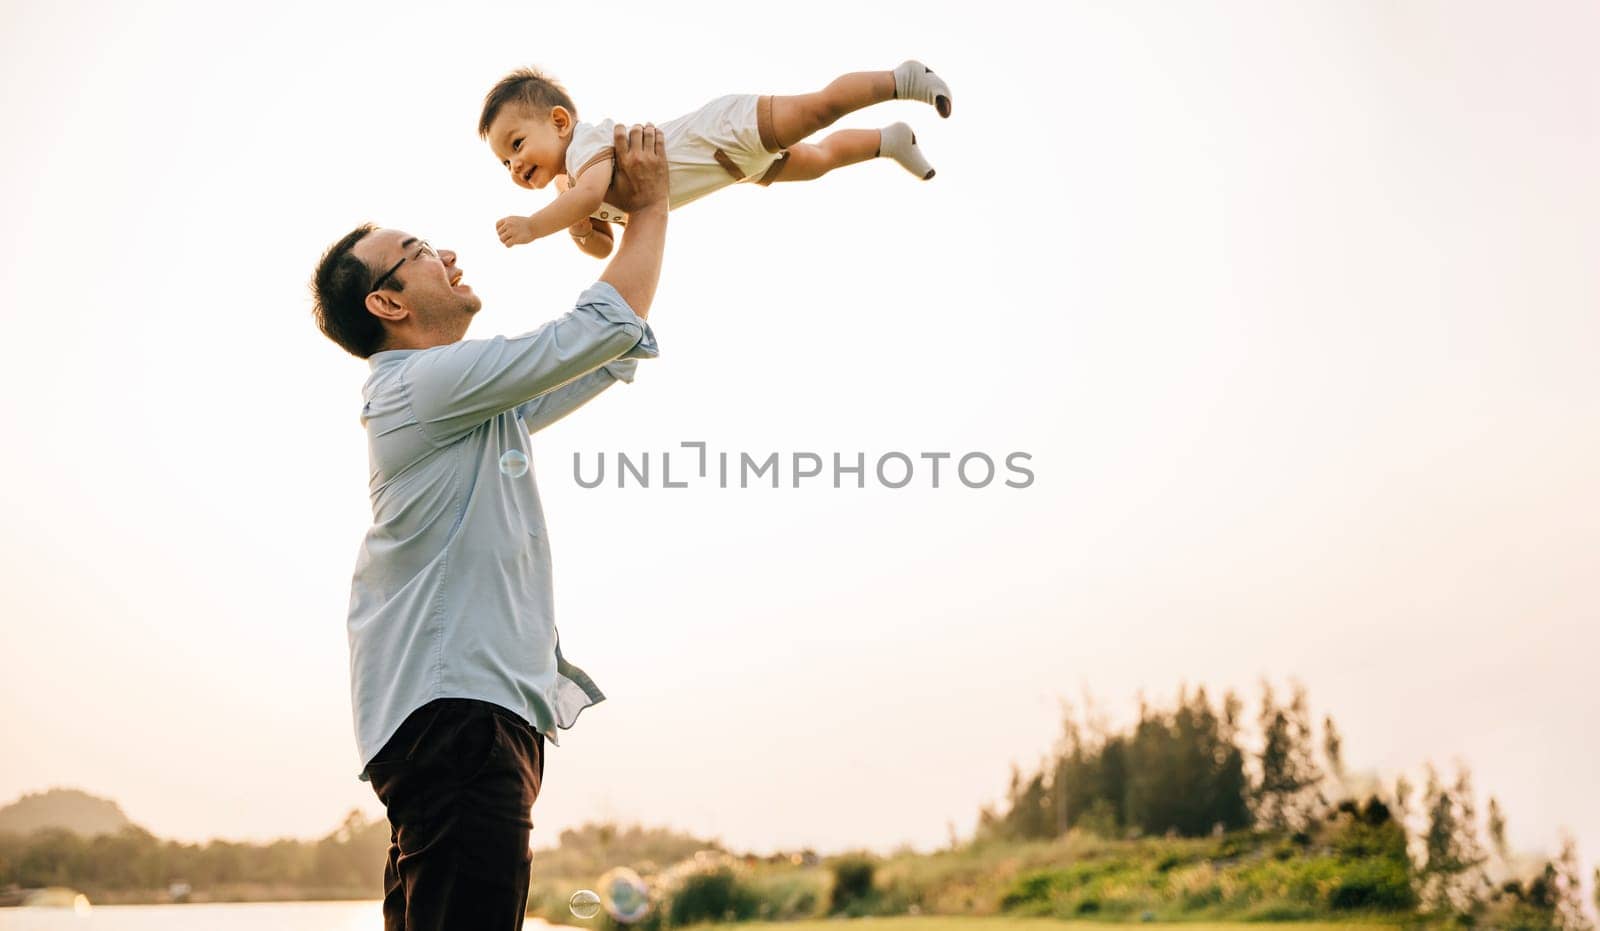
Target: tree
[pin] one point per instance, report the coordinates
(1402, 797)
(1178, 770)
(1568, 884)
(1032, 812)
(1232, 809)
(1471, 849)
(1289, 795)
(1068, 750)
(1089, 776)
(1452, 875)
(1152, 774)
(1333, 747)
(1028, 814)
(1497, 831)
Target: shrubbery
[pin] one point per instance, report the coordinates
(852, 884)
(711, 892)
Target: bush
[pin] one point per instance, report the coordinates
(1030, 889)
(1375, 813)
(1372, 884)
(1201, 896)
(1235, 845)
(852, 881)
(788, 896)
(714, 894)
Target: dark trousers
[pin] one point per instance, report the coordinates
(458, 779)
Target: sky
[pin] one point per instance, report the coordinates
(1291, 308)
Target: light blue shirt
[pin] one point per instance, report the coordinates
(451, 596)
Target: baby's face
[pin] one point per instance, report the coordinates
(532, 146)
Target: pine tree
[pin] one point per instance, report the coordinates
(1497, 831)
(1152, 774)
(1060, 783)
(1452, 871)
(1233, 786)
(1333, 748)
(1289, 795)
(1475, 885)
(1569, 890)
(1277, 776)
(1037, 821)
(1309, 804)
(1111, 779)
(1440, 863)
(1069, 751)
(1088, 775)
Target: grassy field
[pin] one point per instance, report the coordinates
(1075, 883)
(943, 923)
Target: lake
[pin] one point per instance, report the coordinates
(245, 916)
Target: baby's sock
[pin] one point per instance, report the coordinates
(900, 143)
(914, 80)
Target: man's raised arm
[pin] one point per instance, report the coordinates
(642, 167)
(639, 187)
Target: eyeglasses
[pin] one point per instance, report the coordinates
(423, 248)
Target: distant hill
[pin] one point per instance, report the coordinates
(79, 812)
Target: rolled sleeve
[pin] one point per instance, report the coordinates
(604, 298)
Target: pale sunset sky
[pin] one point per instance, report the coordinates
(1294, 307)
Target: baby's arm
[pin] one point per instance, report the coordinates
(583, 199)
(593, 237)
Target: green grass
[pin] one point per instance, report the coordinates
(942, 923)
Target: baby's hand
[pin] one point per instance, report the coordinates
(515, 230)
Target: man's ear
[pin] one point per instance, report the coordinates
(562, 119)
(385, 306)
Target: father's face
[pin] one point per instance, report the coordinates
(434, 299)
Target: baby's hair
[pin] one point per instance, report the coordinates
(524, 87)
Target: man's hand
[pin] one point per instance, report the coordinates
(515, 230)
(639, 186)
(640, 182)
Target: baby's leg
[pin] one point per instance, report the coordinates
(794, 118)
(808, 162)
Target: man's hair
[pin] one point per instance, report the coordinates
(524, 87)
(339, 292)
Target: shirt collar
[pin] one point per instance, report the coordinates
(388, 355)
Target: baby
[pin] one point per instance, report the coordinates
(532, 126)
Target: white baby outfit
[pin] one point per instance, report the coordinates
(730, 139)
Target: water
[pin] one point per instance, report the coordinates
(245, 916)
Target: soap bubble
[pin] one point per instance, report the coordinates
(514, 462)
(584, 904)
(625, 895)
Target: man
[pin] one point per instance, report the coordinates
(457, 676)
